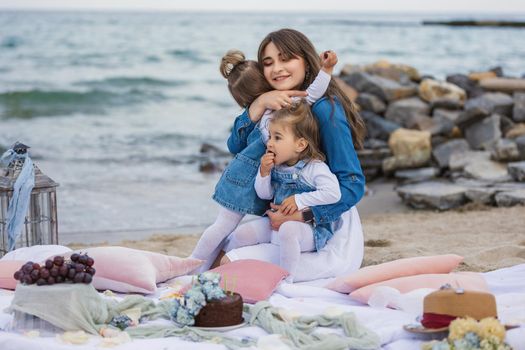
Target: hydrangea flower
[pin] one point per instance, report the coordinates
(194, 300)
(213, 291)
(184, 318)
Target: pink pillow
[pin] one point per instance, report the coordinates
(465, 280)
(129, 270)
(394, 269)
(254, 280)
(7, 270)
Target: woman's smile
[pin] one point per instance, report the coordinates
(282, 73)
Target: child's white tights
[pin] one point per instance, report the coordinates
(293, 238)
(209, 245)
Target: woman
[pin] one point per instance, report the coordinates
(289, 62)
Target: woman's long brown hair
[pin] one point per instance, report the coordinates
(292, 43)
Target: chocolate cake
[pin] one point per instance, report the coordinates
(221, 312)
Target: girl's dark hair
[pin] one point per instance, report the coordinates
(292, 43)
(299, 118)
(245, 79)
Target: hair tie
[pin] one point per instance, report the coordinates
(229, 68)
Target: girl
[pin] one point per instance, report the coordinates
(293, 173)
(235, 191)
(289, 53)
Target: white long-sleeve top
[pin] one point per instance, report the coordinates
(315, 91)
(316, 173)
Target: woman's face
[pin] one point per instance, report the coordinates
(282, 74)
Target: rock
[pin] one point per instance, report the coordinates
(459, 160)
(418, 175)
(508, 199)
(477, 76)
(437, 140)
(471, 87)
(386, 89)
(410, 149)
(492, 102)
(471, 116)
(369, 102)
(509, 186)
(399, 72)
(505, 150)
(482, 195)
(451, 115)
(484, 134)
(387, 70)
(506, 124)
(433, 195)
(498, 70)
(445, 103)
(520, 142)
(518, 112)
(443, 152)
(375, 144)
(516, 131)
(487, 171)
(405, 111)
(377, 126)
(430, 90)
(425, 123)
(349, 91)
(517, 171)
(212, 150)
(503, 84)
(373, 158)
(442, 126)
(209, 167)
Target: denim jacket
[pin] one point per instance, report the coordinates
(341, 157)
(235, 189)
(336, 144)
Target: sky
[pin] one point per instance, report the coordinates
(447, 6)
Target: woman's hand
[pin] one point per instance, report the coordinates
(277, 218)
(274, 100)
(288, 206)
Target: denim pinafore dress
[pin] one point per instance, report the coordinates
(235, 189)
(287, 183)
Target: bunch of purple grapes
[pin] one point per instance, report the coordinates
(79, 269)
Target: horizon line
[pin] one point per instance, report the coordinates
(258, 11)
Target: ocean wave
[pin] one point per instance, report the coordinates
(11, 42)
(131, 82)
(36, 102)
(188, 55)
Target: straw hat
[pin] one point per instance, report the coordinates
(445, 305)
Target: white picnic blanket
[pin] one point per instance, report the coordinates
(507, 284)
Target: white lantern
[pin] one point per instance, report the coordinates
(40, 225)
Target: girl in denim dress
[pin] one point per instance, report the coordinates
(294, 175)
(234, 191)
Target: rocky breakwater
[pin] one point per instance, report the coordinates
(447, 142)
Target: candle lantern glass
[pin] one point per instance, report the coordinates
(40, 223)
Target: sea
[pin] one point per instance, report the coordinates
(116, 105)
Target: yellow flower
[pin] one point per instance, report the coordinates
(491, 327)
(461, 326)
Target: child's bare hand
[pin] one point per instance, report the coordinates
(328, 61)
(288, 206)
(267, 163)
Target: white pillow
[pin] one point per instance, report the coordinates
(36, 253)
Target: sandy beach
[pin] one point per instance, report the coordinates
(488, 238)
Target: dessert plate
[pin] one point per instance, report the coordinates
(222, 329)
